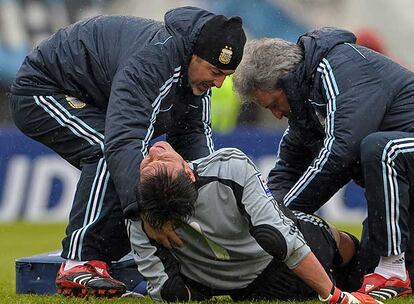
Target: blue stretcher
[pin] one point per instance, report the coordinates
(36, 274)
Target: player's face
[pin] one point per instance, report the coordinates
(160, 155)
(202, 75)
(274, 100)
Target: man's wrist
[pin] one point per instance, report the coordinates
(333, 296)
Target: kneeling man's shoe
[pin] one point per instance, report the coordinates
(91, 278)
(381, 288)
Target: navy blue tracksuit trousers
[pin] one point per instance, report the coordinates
(388, 166)
(387, 160)
(75, 131)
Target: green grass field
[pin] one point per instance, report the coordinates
(22, 239)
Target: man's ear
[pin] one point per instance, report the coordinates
(189, 172)
(280, 82)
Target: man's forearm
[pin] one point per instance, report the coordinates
(313, 274)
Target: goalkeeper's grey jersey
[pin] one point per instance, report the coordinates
(219, 251)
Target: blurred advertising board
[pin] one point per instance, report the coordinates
(38, 185)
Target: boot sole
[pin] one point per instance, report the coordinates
(86, 292)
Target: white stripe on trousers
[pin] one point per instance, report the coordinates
(79, 121)
(98, 198)
(74, 240)
(391, 191)
(93, 210)
(94, 203)
(65, 119)
(97, 192)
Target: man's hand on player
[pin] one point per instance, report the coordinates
(165, 236)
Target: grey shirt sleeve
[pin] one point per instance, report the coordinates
(262, 209)
(149, 265)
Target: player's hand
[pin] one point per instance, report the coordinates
(340, 297)
(165, 236)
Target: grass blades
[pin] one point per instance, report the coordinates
(23, 239)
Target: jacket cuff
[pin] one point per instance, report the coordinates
(132, 211)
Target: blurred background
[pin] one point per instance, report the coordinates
(36, 185)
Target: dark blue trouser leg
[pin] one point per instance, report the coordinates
(387, 160)
(96, 228)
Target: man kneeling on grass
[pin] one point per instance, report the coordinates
(237, 241)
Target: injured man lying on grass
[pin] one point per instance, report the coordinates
(236, 239)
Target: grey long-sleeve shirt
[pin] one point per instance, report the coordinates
(219, 251)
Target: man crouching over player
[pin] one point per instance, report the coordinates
(237, 241)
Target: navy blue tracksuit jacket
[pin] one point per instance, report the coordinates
(134, 70)
(350, 92)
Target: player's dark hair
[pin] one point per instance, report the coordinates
(166, 198)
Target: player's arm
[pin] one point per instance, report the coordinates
(280, 237)
(274, 231)
(191, 135)
(159, 267)
(313, 274)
